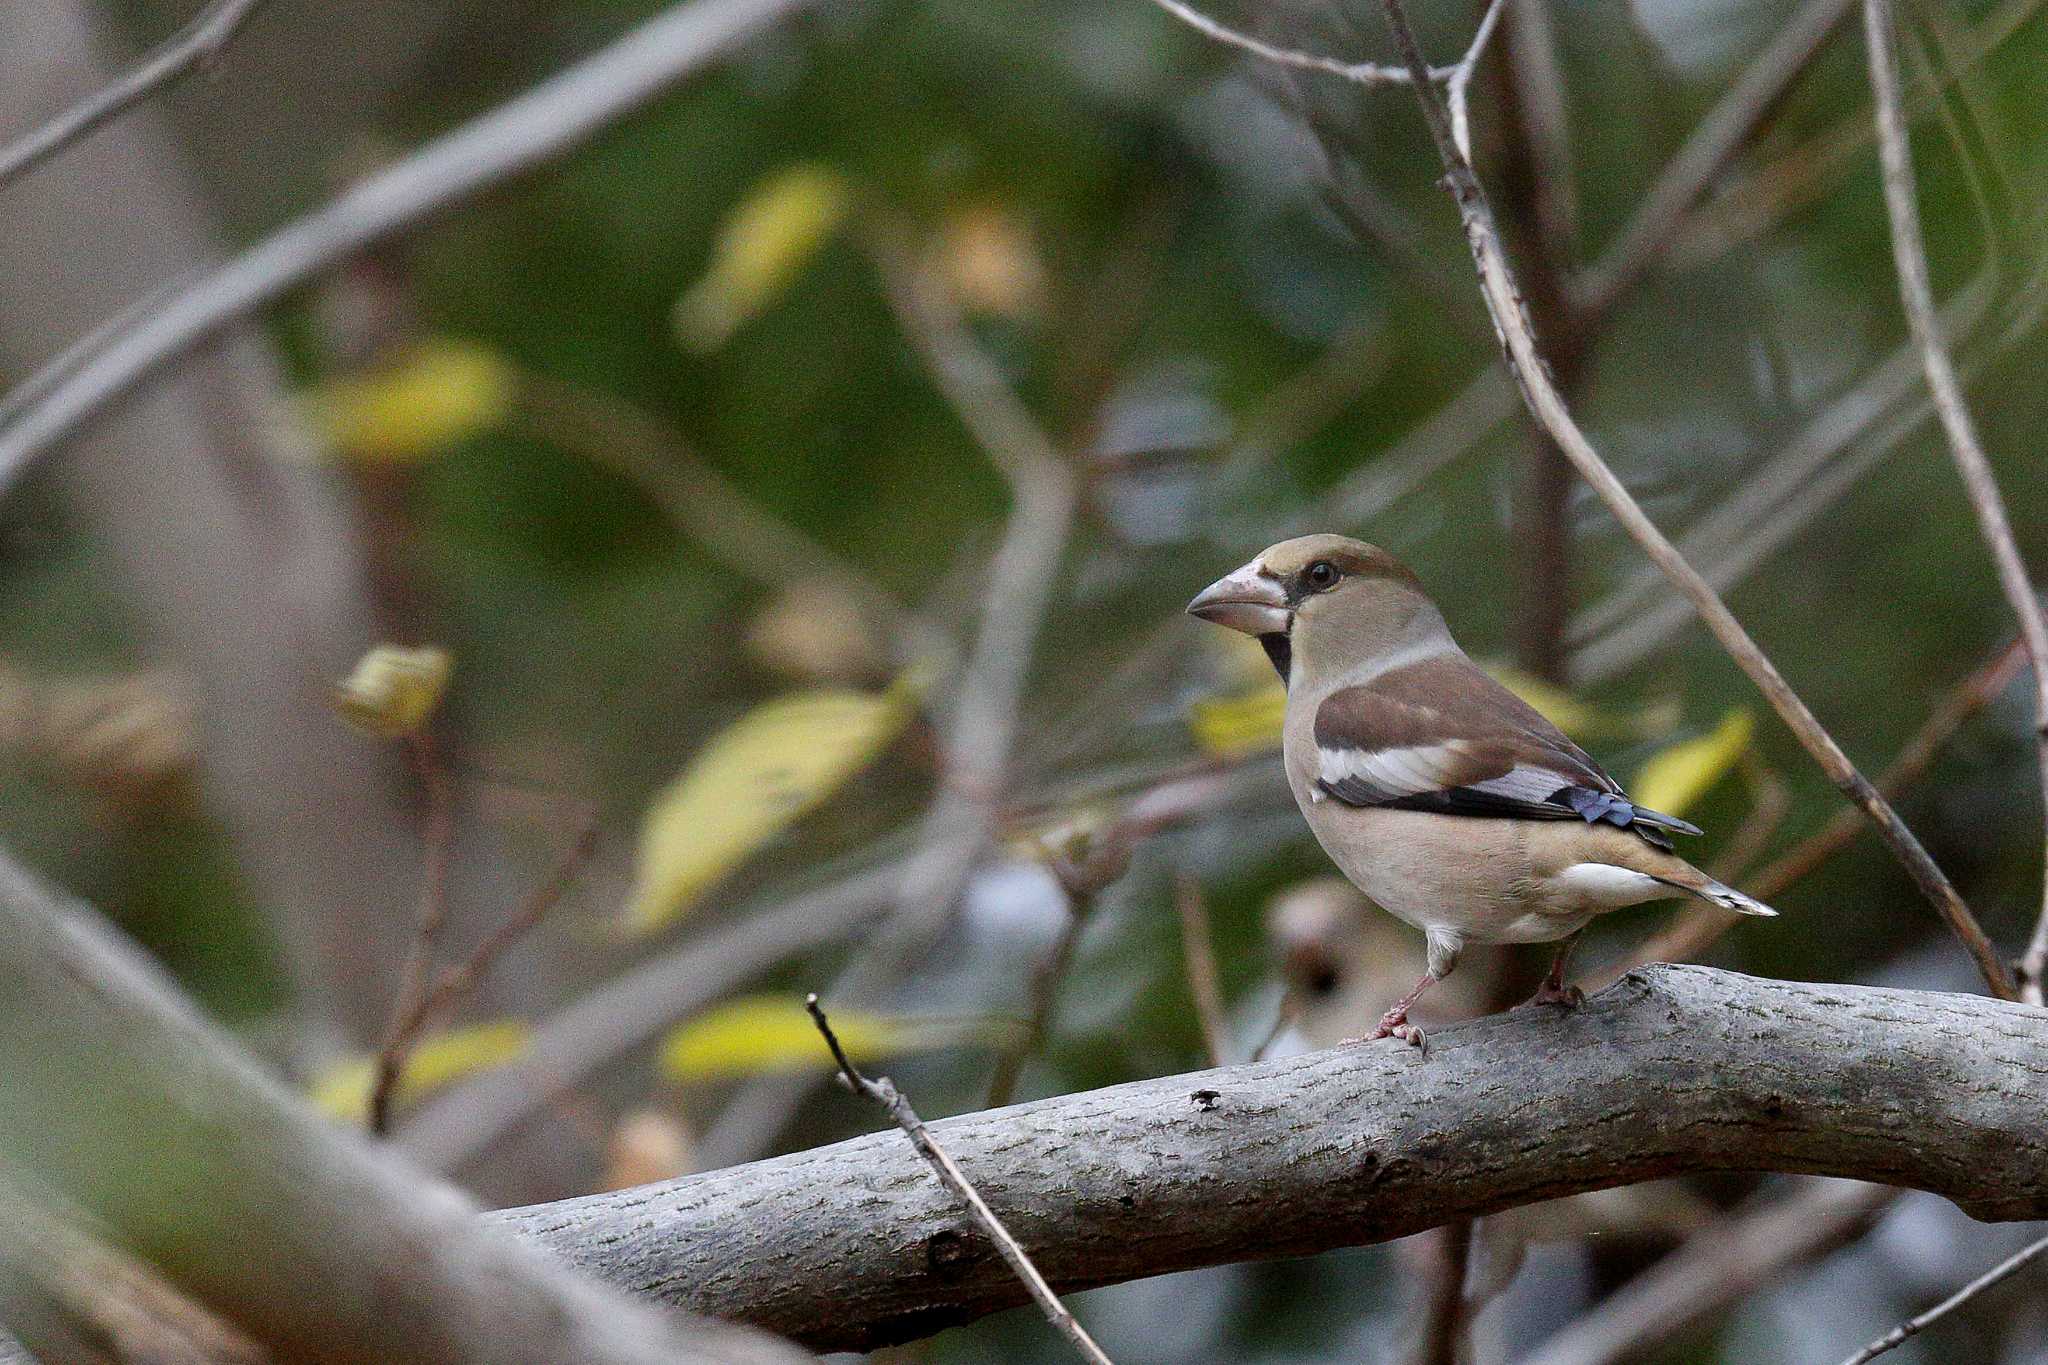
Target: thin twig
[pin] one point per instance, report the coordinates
(547, 122)
(884, 1093)
(1198, 948)
(1362, 73)
(431, 918)
(1909, 250)
(427, 1004)
(196, 45)
(1458, 85)
(2004, 1270)
(1522, 355)
(1698, 930)
(463, 976)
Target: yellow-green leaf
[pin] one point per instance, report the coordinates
(769, 767)
(1576, 718)
(1675, 778)
(1231, 727)
(437, 393)
(764, 245)
(343, 1090)
(394, 689)
(758, 1034)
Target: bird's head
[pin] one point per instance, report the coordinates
(1324, 601)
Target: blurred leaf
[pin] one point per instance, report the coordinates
(1582, 720)
(1576, 718)
(394, 689)
(990, 264)
(1677, 777)
(343, 1090)
(1231, 727)
(765, 243)
(772, 765)
(437, 393)
(766, 1033)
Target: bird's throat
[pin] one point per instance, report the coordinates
(1281, 651)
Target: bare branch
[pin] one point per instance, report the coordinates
(421, 1005)
(310, 1239)
(609, 1020)
(431, 917)
(1522, 356)
(1362, 73)
(548, 121)
(1917, 294)
(196, 45)
(883, 1092)
(1999, 1273)
(852, 1246)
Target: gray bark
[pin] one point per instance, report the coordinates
(1670, 1071)
(119, 1103)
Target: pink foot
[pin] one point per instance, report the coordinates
(1394, 1024)
(1550, 993)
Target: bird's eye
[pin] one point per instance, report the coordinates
(1322, 575)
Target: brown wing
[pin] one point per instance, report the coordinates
(1441, 735)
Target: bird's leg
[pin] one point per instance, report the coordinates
(1553, 991)
(1394, 1023)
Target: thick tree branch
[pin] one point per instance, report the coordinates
(119, 1101)
(1672, 1070)
(549, 121)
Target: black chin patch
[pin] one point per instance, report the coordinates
(1280, 651)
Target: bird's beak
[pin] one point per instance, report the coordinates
(1249, 600)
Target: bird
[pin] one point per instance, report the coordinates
(1444, 797)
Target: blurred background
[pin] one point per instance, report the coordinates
(797, 490)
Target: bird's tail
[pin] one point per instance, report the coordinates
(1728, 898)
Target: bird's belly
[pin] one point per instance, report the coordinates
(1468, 875)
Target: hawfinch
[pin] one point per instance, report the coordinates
(1442, 795)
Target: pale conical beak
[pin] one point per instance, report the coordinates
(1249, 600)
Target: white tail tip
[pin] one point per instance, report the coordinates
(1728, 898)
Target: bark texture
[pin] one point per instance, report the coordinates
(1671, 1070)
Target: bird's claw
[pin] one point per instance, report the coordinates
(1568, 997)
(1395, 1025)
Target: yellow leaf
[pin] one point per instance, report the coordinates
(769, 767)
(1558, 706)
(767, 1033)
(343, 1090)
(1231, 727)
(436, 394)
(394, 690)
(765, 243)
(1677, 777)
(1582, 720)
